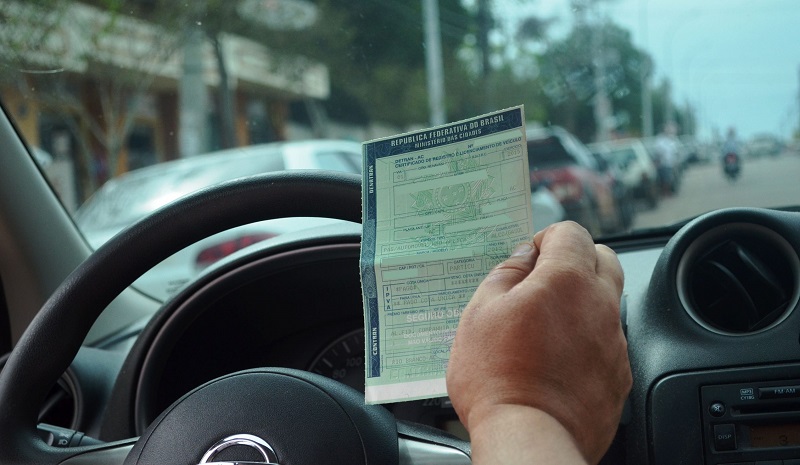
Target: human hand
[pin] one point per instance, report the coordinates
(543, 332)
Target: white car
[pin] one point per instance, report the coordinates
(638, 171)
(545, 207)
(132, 196)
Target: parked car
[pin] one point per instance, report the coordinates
(560, 161)
(623, 196)
(696, 151)
(762, 145)
(637, 169)
(126, 199)
(545, 207)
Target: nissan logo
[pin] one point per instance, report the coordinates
(247, 440)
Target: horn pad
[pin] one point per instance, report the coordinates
(305, 418)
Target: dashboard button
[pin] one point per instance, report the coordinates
(717, 409)
(724, 437)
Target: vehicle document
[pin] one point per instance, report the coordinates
(441, 207)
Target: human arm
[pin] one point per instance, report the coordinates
(517, 434)
(539, 369)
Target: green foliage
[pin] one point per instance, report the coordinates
(375, 53)
(683, 116)
(569, 84)
(468, 94)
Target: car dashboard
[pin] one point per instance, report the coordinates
(708, 312)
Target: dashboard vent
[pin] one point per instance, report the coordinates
(739, 279)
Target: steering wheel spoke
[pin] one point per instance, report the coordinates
(108, 454)
(414, 451)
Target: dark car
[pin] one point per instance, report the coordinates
(559, 160)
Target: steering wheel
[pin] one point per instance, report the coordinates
(260, 416)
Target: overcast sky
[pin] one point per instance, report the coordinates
(736, 61)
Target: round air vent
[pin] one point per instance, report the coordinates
(739, 279)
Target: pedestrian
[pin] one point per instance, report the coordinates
(666, 151)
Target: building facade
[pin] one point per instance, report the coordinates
(123, 93)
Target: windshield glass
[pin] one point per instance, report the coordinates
(111, 95)
(131, 196)
(547, 151)
(621, 156)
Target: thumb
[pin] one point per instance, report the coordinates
(510, 272)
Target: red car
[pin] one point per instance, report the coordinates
(560, 161)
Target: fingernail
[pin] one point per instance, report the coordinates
(522, 249)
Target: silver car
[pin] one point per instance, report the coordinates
(130, 197)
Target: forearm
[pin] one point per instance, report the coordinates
(513, 434)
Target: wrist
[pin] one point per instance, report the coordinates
(519, 434)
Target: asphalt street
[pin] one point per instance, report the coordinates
(764, 182)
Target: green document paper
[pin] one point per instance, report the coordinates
(442, 206)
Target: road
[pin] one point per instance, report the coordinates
(764, 182)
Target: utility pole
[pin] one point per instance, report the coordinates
(669, 113)
(797, 132)
(603, 109)
(225, 93)
(484, 24)
(193, 97)
(433, 62)
(647, 99)
(602, 104)
(587, 15)
(646, 74)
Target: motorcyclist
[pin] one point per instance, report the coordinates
(731, 154)
(731, 144)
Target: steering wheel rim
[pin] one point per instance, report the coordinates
(53, 338)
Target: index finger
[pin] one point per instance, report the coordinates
(609, 267)
(510, 272)
(566, 245)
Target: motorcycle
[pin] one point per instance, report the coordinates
(731, 165)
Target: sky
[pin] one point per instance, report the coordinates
(737, 62)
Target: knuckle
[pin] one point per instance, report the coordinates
(570, 224)
(510, 269)
(564, 275)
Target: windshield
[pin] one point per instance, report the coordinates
(547, 151)
(109, 95)
(129, 197)
(621, 156)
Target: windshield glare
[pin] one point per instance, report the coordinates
(115, 93)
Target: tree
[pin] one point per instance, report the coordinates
(55, 41)
(684, 115)
(380, 37)
(567, 74)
